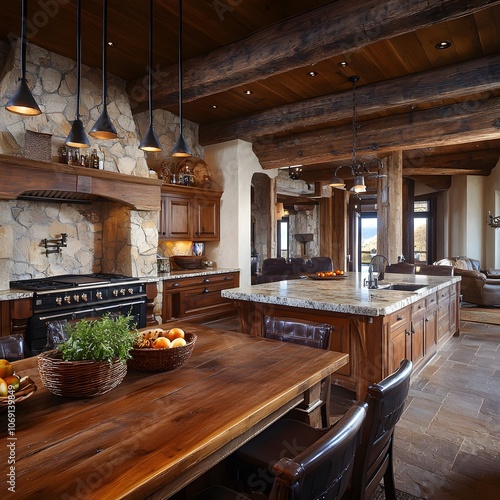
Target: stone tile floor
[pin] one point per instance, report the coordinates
(447, 443)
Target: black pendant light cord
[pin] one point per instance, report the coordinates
(104, 51)
(180, 67)
(354, 79)
(150, 62)
(78, 56)
(24, 15)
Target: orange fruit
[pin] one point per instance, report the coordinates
(178, 342)
(175, 333)
(6, 369)
(161, 343)
(12, 380)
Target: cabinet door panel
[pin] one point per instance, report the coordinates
(397, 348)
(178, 219)
(340, 341)
(207, 219)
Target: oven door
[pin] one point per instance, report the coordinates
(37, 335)
(134, 308)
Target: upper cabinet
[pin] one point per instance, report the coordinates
(189, 213)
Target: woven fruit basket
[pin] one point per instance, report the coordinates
(26, 389)
(79, 379)
(149, 359)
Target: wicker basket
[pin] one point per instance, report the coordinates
(79, 379)
(149, 359)
(37, 146)
(26, 388)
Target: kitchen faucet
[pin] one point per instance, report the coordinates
(372, 282)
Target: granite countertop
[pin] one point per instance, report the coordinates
(194, 273)
(345, 295)
(14, 294)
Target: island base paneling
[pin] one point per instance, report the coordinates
(376, 344)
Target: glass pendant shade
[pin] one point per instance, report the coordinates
(23, 102)
(359, 184)
(77, 138)
(103, 128)
(181, 149)
(150, 141)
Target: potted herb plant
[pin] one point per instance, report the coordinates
(93, 358)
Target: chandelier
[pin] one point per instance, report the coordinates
(359, 170)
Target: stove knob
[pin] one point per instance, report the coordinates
(123, 291)
(131, 291)
(67, 299)
(84, 297)
(98, 295)
(115, 293)
(76, 298)
(58, 301)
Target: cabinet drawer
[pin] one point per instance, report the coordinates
(418, 307)
(192, 301)
(443, 295)
(398, 319)
(183, 283)
(431, 301)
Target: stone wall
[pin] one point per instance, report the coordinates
(103, 236)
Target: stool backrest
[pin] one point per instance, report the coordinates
(323, 470)
(386, 401)
(298, 331)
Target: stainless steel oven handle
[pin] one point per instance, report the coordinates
(67, 313)
(115, 305)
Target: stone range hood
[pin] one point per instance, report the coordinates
(23, 178)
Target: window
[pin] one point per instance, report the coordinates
(283, 238)
(422, 219)
(368, 237)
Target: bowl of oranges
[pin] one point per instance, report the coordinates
(328, 275)
(158, 350)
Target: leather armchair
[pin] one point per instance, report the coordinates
(476, 287)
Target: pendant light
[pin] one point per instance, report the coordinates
(181, 149)
(150, 141)
(358, 170)
(23, 102)
(77, 138)
(103, 128)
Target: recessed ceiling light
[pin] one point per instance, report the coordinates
(312, 73)
(445, 44)
(248, 92)
(343, 64)
(214, 106)
(111, 44)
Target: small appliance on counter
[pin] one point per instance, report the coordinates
(163, 264)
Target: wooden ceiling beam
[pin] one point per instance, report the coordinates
(452, 124)
(439, 183)
(482, 161)
(338, 28)
(450, 82)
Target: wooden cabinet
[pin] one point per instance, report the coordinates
(189, 213)
(398, 327)
(198, 298)
(416, 336)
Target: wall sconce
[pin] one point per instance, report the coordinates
(54, 245)
(493, 221)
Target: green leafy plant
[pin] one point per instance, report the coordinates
(103, 339)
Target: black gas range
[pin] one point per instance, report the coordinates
(73, 296)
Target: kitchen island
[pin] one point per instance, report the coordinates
(376, 327)
(156, 432)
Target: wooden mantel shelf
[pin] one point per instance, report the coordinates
(22, 176)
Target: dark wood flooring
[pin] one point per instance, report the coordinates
(447, 443)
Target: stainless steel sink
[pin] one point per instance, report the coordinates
(401, 287)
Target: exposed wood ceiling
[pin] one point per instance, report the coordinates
(441, 107)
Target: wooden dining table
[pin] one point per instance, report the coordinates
(156, 432)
